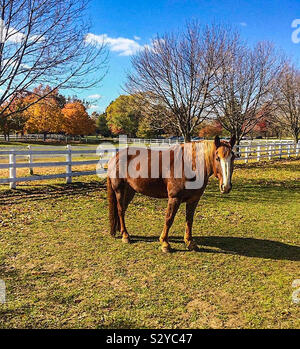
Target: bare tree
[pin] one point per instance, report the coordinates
(44, 42)
(243, 85)
(287, 100)
(177, 72)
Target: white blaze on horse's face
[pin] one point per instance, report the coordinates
(223, 167)
(226, 166)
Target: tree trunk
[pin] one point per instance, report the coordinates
(237, 144)
(187, 138)
(45, 136)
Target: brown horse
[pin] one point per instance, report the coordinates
(218, 159)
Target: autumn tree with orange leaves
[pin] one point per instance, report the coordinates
(52, 114)
(44, 116)
(13, 118)
(210, 130)
(76, 120)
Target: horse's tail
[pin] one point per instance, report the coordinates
(113, 210)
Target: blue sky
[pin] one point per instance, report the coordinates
(128, 25)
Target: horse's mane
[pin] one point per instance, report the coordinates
(209, 148)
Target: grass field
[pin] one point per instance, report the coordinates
(63, 270)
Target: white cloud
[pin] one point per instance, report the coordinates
(37, 38)
(26, 66)
(15, 36)
(12, 33)
(243, 24)
(123, 46)
(93, 106)
(94, 96)
(12, 64)
(137, 38)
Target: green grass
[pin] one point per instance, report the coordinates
(63, 270)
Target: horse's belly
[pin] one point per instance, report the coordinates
(155, 188)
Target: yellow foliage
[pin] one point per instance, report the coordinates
(77, 120)
(44, 116)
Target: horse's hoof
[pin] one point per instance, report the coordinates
(126, 240)
(166, 249)
(192, 246)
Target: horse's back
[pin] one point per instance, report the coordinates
(150, 172)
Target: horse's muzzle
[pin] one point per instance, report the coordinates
(225, 189)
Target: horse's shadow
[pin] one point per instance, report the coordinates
(248, 247)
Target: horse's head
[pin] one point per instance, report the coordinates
(223, 163)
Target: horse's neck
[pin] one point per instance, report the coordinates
(209, 153)
(209, 159)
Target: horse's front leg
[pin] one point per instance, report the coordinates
(172, 209)
(188, 238)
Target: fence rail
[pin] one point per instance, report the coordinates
(67, 152)
(86, 139)
(245, 153)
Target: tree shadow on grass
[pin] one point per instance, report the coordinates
(45, 192)
(266, 191)
(248, 247)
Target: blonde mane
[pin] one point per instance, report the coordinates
(209, 149)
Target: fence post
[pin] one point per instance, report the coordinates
(30, 160)
(270, 152)
(297, 148)
(258, 153)
(69, 165)
(280, 150)
(246, 155)
(289, 150)
(12, 171)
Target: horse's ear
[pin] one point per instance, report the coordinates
(233, 141)
(217, 142)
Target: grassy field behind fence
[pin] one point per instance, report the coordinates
(62, 270)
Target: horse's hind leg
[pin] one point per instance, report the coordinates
(188, 238)
(173, 206)
(128, 197)
(124, 196)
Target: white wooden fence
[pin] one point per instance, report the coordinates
(86, 139)
(245, 152)
(68, 152)
(40, 137)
